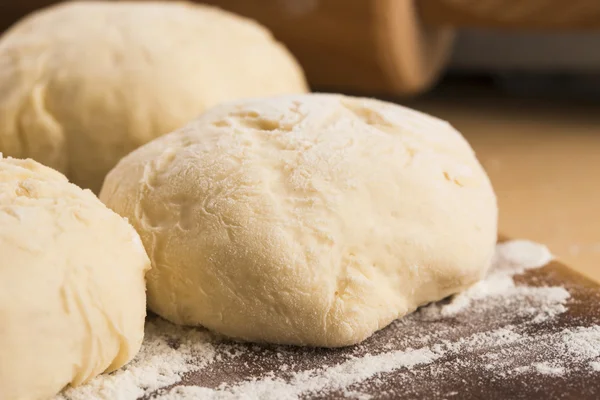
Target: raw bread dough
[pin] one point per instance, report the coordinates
(72, 290)
(309, 219)
(84, 83)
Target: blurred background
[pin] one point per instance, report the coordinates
(519, 78)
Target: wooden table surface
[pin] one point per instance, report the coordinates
(543, 157)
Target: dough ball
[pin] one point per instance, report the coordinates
(84, 83)
(308, 220)
(72, 290)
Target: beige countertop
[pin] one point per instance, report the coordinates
(543, 157)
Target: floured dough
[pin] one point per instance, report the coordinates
(72, 295)
(309, 219)
(84, 83)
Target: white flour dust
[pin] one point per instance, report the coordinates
(595, 365)
(343, 375)
(157, 365)
(499, 288)
(499, 311)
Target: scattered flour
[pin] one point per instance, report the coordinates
(429, 347)
(582, 342)
(343, 375)
(546, 369)
(517, 256)
(339, 377)
(543, 368)
(511, 258)
(595, 365)
(500, 291)
(159, 364)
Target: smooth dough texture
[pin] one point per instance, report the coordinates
(72, 290)
(84, 83)
(308, 220)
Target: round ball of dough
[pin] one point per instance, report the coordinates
(72, 290)
(84, 83)
(309, 220)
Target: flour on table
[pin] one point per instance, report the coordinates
(187, 363)
(344, 375)
(595, 365)
(547, 368)
(167, 353)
